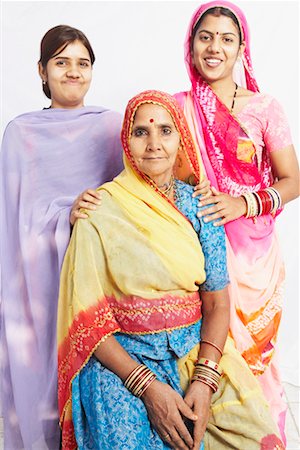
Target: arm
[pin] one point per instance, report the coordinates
(215, 322)
(165, 407)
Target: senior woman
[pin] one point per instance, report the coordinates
(143, 282)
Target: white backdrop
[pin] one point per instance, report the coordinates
(138, 46)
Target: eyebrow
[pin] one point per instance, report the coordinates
(66, 58)
(222, 34)
(146, 127)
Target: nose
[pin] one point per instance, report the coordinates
(215, 45)
(153, 143)
(73, 71)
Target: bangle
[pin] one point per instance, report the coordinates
(139, 380)
(204, 341)
(207, 376)
(208, 363)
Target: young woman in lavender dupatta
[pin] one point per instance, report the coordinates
(247, 153)
(48, 157)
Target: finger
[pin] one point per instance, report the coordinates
(198, 434)
(204, 201)
(94, 193)
(208, 211)
(214, 217)
(221, 222)
(209, 194)
(79, 215)
(203, 192)
(185, 410)
(185, 434)
(215, 191)
(177, 442)
(87, 205)
(89, 198)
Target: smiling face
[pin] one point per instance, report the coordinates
(68, 74)
(216, 47)
(154, 142)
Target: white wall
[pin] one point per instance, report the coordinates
(139, 45)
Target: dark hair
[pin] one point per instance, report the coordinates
(217, 12)
(57, 37)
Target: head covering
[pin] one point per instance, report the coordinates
(121, 272)
(48, 158)
(243, 71)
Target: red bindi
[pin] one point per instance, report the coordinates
(151, 120)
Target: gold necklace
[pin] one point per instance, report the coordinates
(168, 187)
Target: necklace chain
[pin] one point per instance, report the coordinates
(168, 188)
(234, 96)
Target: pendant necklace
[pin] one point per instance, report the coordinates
(233, 100)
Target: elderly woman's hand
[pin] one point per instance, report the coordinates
(203, 188)
(198, 398)
(165, 409)
(88, 199)
(222, 206)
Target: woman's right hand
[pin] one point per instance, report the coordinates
(165, 409)
(88, 199)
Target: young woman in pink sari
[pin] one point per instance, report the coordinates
(246, 148)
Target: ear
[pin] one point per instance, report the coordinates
(42, 72)
(242, 48)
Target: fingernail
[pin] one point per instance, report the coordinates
(205, 220)
(195, 417)
(194, 195)
(94, 207)
(99, 202)
(199, 214)
(200, 204)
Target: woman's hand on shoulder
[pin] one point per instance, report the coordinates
(89, 200)
(222, 206)
(198, 398)
(203, 189)
(165, 409)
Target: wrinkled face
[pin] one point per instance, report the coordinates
(154, 142)
(69, 76)
(216, 47)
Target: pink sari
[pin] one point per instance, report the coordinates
(234, 165)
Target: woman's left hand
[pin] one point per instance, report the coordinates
(222, 206)
(198, 398)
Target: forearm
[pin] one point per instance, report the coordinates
(113, 356)
(215, 323)
(288, 189)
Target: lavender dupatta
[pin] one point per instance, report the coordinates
(48, 157)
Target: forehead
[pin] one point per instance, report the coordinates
(149, 111)
(75, 49)
(222, 24)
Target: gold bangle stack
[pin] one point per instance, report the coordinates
(139, 380)
(207, 372)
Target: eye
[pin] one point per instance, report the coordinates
(138, 132)
(204, 37)
(228, 40)
(166, 131)
(61, 63)
(84, 64)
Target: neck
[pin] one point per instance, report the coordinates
(162, 181)
(223, 88)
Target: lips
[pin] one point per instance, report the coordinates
(213, 62)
